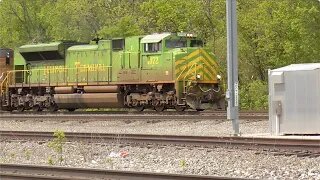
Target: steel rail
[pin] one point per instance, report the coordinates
(132, 112)
(298, 145)
(36, 172)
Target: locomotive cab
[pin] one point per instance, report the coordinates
(181, 58)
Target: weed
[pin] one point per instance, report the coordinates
(110, 162)
(50, 160)
(27, 154)
(183, 163)
(57, 144)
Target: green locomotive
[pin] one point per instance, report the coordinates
(158, 71)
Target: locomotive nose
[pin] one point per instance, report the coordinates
(198, 64)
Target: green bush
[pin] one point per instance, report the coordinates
(254, 96)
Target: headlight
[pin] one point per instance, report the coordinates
(218, 77)
(198, 76)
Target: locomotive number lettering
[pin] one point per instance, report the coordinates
(91, 67)
(153, 60)
(53, 69)
(81, 68)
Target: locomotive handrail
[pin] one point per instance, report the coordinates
(4, 84)
(187, 74)
(2, 75)
(182, 72)
(53, 75)
(58, 68)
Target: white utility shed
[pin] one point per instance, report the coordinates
(294, 99)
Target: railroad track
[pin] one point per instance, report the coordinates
(278, 146)
(135, 115)
(36, 172)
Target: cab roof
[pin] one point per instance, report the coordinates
(154, 38)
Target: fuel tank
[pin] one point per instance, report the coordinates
(101, 89)
(89, 100)
(64, 90)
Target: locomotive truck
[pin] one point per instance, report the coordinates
(157, 71)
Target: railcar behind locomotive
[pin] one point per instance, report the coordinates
(157, 71)
(6, 64)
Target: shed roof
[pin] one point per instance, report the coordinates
(299, 67)
(154, 38)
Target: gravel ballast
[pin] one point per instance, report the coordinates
(196, 127)
(166, 159)
(152, 158)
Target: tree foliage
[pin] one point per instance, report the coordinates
(276, 33)
(272, 33)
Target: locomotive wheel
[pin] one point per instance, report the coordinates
(53, 107)
(180, 108)
(159, 108)
(20, 108)
(139, 108)
(37, 108)
(71, 109)
(7, 108)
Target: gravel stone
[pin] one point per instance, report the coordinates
(170, 159)
(155, 158)
(169, 127)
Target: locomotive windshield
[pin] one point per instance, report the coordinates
(177, 43)
(196, 43)
(181, 43)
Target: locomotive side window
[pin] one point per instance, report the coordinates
(152, 47)
(176, 43)
(117, 44)
(196, 43)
